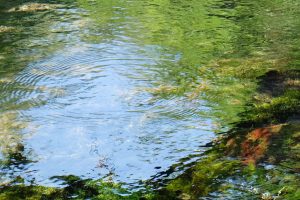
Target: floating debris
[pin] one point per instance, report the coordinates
(162, 90)
(31, 7)
(4, 29)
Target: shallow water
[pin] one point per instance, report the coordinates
(102, 89)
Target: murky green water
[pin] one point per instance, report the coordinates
(123, 90)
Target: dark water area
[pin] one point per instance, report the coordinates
(139, 95)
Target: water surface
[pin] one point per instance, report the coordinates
(118, 89)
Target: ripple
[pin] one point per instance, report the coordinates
(89, 109)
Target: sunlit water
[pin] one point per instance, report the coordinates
(78, 79)
(89, 113)
(97, 121)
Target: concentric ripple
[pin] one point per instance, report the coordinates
(88, 113)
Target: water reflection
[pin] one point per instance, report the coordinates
(87, 99)
(96, 116)
(125, 89)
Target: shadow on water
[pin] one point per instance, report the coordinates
(122, 99)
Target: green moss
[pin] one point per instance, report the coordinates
(277, 110)
(75, 188)
(206, 176)
(281, 151)
(21, 192)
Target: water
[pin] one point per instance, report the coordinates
(101, 89)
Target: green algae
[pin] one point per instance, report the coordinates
(261, 150)
(73, 188)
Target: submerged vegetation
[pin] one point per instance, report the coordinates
(75, 189)
(262, 150)
(238, 61)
